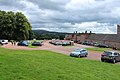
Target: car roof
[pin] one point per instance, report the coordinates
(80, 49)
(111, 51)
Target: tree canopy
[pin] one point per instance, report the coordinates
(14, 26)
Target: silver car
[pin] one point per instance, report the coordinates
(79, 53)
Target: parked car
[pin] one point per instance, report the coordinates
(86, 43)
(66, 43)
(79, 42)
(58, 43)
(79, 53)
(3, 41)
(102, 45)
(110, 56)
(92, 43)
(23, 43)
(36, 44)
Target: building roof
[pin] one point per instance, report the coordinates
(105, 37)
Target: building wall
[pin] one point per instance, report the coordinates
(75, 38)
(83, 38)
(68, 37)
(110, 43)
(99, 41)
(118, 29)
(113, 44)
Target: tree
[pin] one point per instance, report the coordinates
(14, 26)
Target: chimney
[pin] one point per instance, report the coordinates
(76, 32)
(118, 29)
(90, 32)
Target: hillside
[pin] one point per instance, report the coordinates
(48, 32)
(47, 65)
(43, 34)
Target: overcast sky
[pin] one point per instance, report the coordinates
(99, 16)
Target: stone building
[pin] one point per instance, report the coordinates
(109, 39)
(68, 37)
(118, 29)
(113, 40)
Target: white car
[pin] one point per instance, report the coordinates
(79, 53)
(3, 41)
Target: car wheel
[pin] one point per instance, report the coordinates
(85, 55)
(79, 56)
(102, 60)
(114, 61)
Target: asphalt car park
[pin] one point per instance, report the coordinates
(61, 42)
(92, 55)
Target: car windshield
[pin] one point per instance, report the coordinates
(107, 53)
(76, 50)
(25, 42)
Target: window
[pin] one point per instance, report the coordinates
(83, 50)
(107, 53)
(116, 53)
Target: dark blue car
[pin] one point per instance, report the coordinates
(23, 43)
(36, 44)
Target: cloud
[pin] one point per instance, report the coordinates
(99, 16)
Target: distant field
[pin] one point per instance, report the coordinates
(47, 65)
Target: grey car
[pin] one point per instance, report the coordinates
(110, 56)
(79, 53)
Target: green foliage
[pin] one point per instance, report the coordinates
(49, 36)
(14, 26)
(46, 65)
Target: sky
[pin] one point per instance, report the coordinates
(98, 16)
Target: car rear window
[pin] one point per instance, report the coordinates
(116, 53)
(107, 53)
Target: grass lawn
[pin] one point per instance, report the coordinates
(46, 65)
(68, 46)
(30, 46)
(98, 49)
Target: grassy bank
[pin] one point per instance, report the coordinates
(46, 65)
(98, 49)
